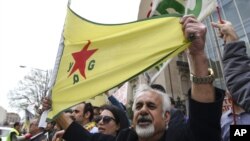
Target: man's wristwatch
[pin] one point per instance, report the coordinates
(203, 79)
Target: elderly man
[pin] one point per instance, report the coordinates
(151, 107)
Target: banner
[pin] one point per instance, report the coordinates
(122, 93)
(97, 57)
(199, 8)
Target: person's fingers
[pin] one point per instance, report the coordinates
(192, 28)
(221, 28)
(186, 17)
(189, 27)
(188, 22)
(216, 25)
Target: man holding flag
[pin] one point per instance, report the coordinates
(151, 107)
(91, 53)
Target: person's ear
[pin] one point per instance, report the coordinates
(86, 115)
(167, 117)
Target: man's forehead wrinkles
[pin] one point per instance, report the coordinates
(145, 102)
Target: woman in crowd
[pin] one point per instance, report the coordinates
(111, 120)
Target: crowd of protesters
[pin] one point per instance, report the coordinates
(154, 119)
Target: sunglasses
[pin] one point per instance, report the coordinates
(105, 119)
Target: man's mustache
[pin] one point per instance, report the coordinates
(146, 118)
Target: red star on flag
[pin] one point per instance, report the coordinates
(81, 58)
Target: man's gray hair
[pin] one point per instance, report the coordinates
(143, 88)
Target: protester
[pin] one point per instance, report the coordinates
(151, 107)
(114, 101)
(59, 131)
(37, 133)
(235, 116)
(112, 120)
(236, 65)
(118, 104)
(177, 117)
(237, 73)
(15, 133)
(50, 130)
(17, 126)
(96, 110)
(83, 114)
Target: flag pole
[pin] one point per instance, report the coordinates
(57, 61)
(44, 115)
(219, 15)
(217, 46)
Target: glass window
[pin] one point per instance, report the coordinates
(243, 6)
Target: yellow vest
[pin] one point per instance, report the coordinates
(13, 130)
(90, 125)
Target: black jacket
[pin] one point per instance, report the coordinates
(236, 64)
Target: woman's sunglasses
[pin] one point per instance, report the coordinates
(105, 119)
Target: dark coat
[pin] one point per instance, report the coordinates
(176, 117)
(236, 64)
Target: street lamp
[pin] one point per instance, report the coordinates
(46, 78)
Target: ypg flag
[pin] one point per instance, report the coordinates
(199, 8)
(97, 57)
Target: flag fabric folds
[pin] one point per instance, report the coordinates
(97, 57)
(199, 8)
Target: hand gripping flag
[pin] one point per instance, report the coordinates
(97, 57)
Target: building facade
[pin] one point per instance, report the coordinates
(234, 11)
(3, 114)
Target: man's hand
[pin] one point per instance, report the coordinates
(195, 53)
(27, 136)
(226, 31)
(58, 135)
(195, 31)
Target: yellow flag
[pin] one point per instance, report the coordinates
(98, 57)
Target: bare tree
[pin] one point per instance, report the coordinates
(30, 90)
